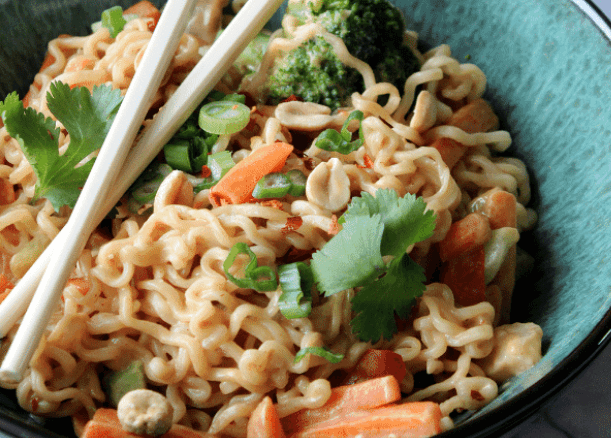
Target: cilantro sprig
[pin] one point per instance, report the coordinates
(87, 116)
(374, 227)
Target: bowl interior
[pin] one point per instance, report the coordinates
(543, 61)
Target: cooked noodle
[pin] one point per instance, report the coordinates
(155, 290)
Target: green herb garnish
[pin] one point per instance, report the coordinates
(87, 116)
(373, 227)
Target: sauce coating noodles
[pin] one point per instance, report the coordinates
(152, 287)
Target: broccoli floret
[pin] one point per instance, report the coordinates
(313, 72)
(372, 30)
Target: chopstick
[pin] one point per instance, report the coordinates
(247, 23)
(112, 154)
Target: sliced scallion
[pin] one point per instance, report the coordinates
(223, 117)
(333, 141)
(272, 185)
(296, 280)
(298, 182)
(259, 278)
(219, 164)
(177, 156)
(145, 187)
(113, 20)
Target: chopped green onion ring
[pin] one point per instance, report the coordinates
(296, 281)
(272, 185)
(319, 351)
(298, 182)
(219, 164)
(145, 187)
(223, 117)
(112, 19)
(333, 141)
(177, 155)
(252, 273)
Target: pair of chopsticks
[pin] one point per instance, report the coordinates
(118, 167)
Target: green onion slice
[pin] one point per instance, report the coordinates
(145, 187)
(296, 281)
(189, 155)
(319, 351)
(333, 141)
(223, 117)
(177, 155)
(259, 278)
(298, 182)
(112, 19)
(272, 185)
(219, 164)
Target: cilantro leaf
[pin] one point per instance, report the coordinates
(86, 116)
(377, 303)
(405, 220)
(10, 104)
(351, 258)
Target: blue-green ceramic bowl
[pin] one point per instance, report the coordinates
(548, 64)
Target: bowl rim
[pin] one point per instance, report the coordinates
(525, 404)
(501, 418)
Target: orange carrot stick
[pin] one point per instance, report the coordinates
(145, 9)
(5, 287)
(407, 420)
(377, 363)
(237, 185)
(476, 116)
(465, 276)
(500, 209)
(105, 424)
(264, 421)
(471, 231)
(344, 399)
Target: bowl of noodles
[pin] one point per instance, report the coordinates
(384, 232)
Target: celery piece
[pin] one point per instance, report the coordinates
(120, 382)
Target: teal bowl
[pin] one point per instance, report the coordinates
(548, 64)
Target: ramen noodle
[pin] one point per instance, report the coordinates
(151, 287)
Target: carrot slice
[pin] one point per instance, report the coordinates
(345, 399)
(465, 276)
(476, 116)
(264, 421)
(145, 9)
(464, 235)
(105, 424)
(5, 287)
(377, 363)
(237, 185)
(501, 209)
(407, 420)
